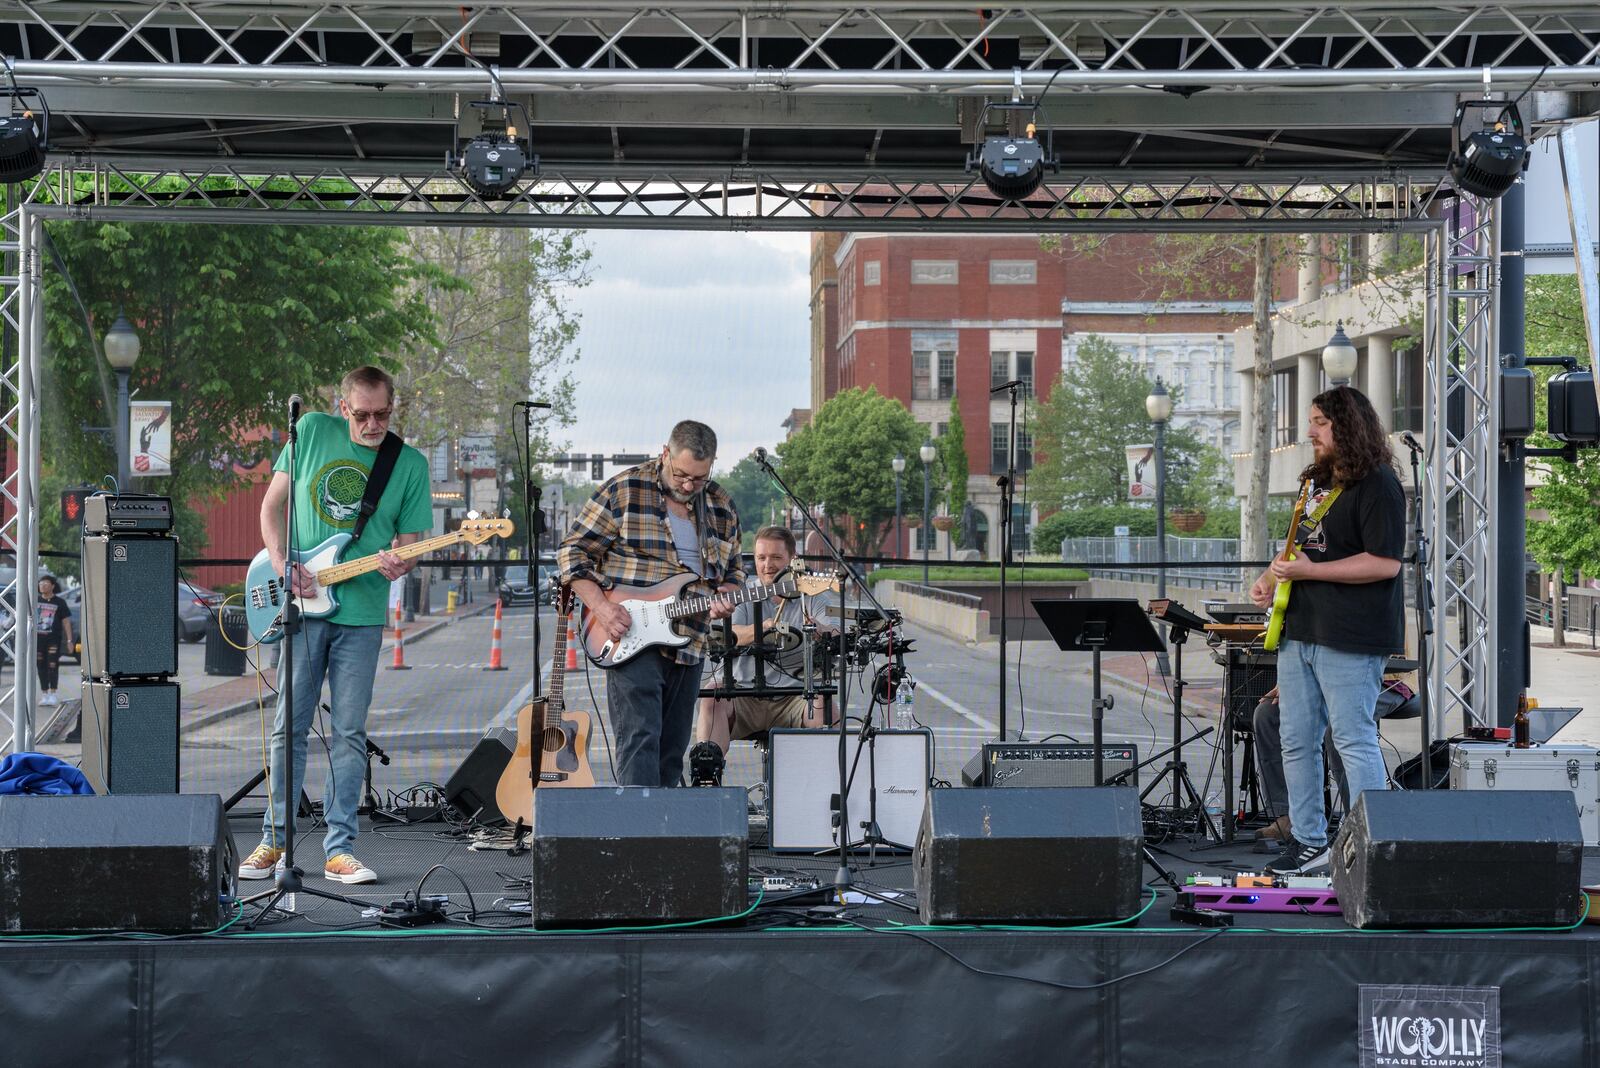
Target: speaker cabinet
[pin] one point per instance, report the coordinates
(628, 854)
(470, 790)
(1460, 858)
(1035, 855)
(130, 737)
(130, 605)
(84, 864)
(803, 780)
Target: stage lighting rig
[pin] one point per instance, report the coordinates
(492, 161)
(1488, 161)
(1013, 167)
(24, 137)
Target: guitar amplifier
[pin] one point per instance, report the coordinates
(130, 605)
(803, 780)
(1057, 764)
(128, 513)
(130, 737)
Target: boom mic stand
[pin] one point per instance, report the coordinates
(1184, 795)
(1419, 563)
(872, 835)
(532, 527)
(1007, 483)
(843, 877)
(289, 879)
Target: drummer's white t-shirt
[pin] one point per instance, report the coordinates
(783, 670)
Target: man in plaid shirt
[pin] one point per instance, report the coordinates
(648, 524)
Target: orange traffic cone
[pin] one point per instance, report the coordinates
(572, 645)
(399, 644)
(494, 643)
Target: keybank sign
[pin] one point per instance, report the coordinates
(1430, 1027)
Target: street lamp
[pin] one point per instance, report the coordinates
(122, 352)
(927, 452)
(1339, 356)
(899, 465)
(1158, 406)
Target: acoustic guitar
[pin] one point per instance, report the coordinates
(560, 740)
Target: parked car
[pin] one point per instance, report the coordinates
(516, 588)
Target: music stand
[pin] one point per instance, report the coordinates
(1096, 625)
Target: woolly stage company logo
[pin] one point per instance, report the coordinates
(1430, 1027)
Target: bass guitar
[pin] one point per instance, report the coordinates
(656, 611)
(546, 732)
(264, 591)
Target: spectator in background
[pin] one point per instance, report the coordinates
(52, 620)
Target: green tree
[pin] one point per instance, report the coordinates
(232, 320)
(1569, 495)
(953, 461)
(1078, 469)
(753, 494)
(842, 462)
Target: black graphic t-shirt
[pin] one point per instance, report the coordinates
(1368, 517)
(50, 619)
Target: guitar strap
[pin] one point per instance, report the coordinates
(382, 468)
(1308, 525)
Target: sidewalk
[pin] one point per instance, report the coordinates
(1567, 678)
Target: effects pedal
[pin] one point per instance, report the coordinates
(1200, 917)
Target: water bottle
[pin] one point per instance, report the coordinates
(903, 718)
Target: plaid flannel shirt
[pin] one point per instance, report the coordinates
(622, 536)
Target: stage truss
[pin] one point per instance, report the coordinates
(1203, 117)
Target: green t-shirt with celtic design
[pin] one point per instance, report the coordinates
(330, 477)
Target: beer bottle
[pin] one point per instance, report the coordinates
(1519, 725)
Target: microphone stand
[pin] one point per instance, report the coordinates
(1007, 484)
(843, 877)
(289, 879)
(532, 532)
(1424, 612)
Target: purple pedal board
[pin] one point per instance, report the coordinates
(1297, 899)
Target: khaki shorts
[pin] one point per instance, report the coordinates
(752, 715)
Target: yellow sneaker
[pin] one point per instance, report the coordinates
(261, 863)
(345, 868)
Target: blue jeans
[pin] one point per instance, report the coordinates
(1327, 690)
(652, 701)
(348, 658)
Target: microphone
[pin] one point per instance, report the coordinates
(294, 405)
(1411, 442)
(531, 404)
(761, 456)
(1013, 384)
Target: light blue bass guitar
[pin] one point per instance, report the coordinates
(264, 589)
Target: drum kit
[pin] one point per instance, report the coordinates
(783, 647)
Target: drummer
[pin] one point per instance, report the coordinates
(742, 717)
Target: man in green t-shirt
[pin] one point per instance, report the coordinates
(333, 456)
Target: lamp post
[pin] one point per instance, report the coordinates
(899, 465)
(122, 352)
(1158, 406)
(927, 452)
(1339, 357)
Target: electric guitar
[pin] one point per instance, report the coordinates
(264, 590)
(561, 740)
(1280, 596)
(656, 610)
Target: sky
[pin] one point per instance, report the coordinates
(691, 325)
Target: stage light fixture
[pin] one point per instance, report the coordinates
(1013, 168)
(1488, 161)
(495, 159)
(24, 136)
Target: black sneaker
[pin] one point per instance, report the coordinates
(1298, 857)
(705, 764)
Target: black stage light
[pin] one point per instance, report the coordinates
(24, 137)
(1013, 167)
(496, 159)
(1487, 162)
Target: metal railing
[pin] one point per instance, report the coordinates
(964, 600)
(1580, 611)
(1185, 559)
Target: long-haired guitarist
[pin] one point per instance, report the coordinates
(653, 522)
(1345, 614)
(333, 456)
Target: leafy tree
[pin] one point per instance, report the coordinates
(504, 333)
(953, 460)
(842, 461)
(1079, 469)
(1570, 494)
(232, 320)
(753, 494)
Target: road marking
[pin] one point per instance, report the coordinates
(959, 709)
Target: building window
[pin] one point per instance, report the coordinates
(1007, 366)
(1283, 405)
(933, 364)
(1020, 531)
(1408, 369)
(997, 449)
(1013, 272)
(934, 273)
(873, 274)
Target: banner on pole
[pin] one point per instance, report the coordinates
(150, 437)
